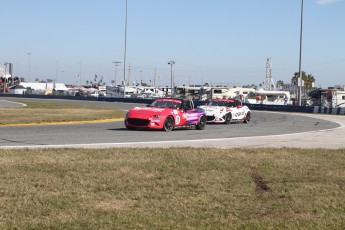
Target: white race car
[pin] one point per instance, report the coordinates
(226, 111)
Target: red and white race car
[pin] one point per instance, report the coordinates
(226, 111)
(166, 114)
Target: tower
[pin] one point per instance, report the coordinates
(269, 80)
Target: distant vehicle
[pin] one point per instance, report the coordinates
(226, 111)
(166, 114)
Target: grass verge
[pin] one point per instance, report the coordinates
(42, 112)
(178, 188)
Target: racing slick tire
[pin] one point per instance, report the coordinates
(227, 118)
(202, 123)
(168, 124)
(247, 119)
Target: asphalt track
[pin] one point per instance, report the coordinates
(266, 129)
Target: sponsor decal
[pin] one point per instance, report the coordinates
(184, 115)
(175, 111)
(239, 114)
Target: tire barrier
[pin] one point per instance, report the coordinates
(325, 110)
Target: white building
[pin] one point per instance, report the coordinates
(17, 89)
(45, 88)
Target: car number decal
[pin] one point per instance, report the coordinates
(177, 120)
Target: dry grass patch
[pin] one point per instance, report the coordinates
(179, 188)
(41, 112)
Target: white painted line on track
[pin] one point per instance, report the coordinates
(14, 102)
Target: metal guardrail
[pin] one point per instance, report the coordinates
(260, 107)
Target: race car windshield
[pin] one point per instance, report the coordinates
(166, 104)
(222, 103)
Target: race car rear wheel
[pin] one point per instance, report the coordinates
(168, 124)
(247, 119)
(227, 118)
(202, 123)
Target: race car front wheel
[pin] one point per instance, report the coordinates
(202, 123)
(168, 124)
(227, 118)
(247, 119)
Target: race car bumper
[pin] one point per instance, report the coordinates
(213, 119)
(144, 123)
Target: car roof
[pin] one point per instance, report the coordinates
(224, 100)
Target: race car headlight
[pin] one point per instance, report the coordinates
(156, 116)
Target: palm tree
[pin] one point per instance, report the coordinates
(280, 84)
(307, 78)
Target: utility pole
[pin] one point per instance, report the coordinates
(171, 63)
(29, 54)
(5, 77)
(300, 60)
(79, 76)
(154, 78)
(56, 69)
(116, 65)
(124, 57)
(129, 75)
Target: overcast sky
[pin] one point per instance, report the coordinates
(213, 41)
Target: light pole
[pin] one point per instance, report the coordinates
(29, 54)
(116, 65)
(300, 61)
(62, 71)
(124, 57)
(57, 69)
(79, 76)
(171, 63)
(5, 76)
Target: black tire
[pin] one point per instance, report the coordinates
(168, 124)
(202, 123)
(227, 118)
(247, 119)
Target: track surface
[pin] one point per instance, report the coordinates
(108, 134)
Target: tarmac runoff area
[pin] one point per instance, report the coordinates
(329, 138)
(326, 139)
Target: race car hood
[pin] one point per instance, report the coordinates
(215, 109)
(144, 112)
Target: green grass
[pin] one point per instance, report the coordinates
(42, 112)
(178, 188)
